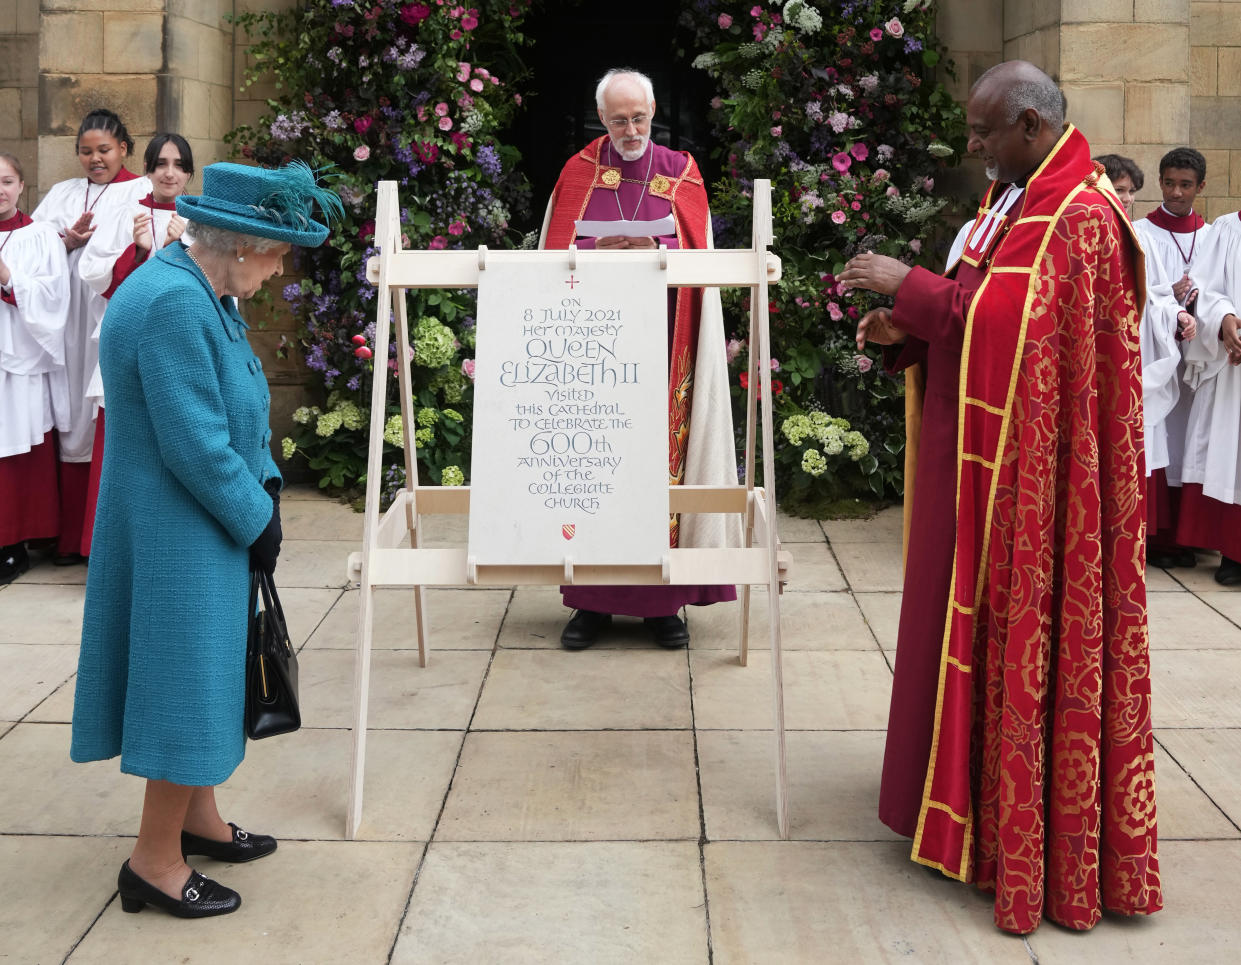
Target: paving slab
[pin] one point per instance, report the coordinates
(1228, 604)
(544, 903)
(30, 673)
(883, 615)
(872, 566)
(313, 563)
(536, 616)
(1159, 581)
(42, 613)
(1212, 759)
(305, 609)
(573, 786)
(1195, 688)
(884, 527)
(1182, 621)
(55, 888)
(458, 620)
(403, 695)
(320, 519)
(1201, 881)
(43, 572)
(812, 620)
(57, 707)
(814, 568)
(308, 902)
(828, 690)
(799, 902)
(833, 785)
(587, 690)
(797, 529)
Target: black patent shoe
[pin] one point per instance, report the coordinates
(14, 561)
(1172, 556)
(1229, 572)
(200, 897)
(244, 846)
(669, 632)
(68, 559)
(583, 629)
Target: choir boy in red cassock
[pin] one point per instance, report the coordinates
(1019, 750)
(625, 176)
(1173, 237)
(34, 394)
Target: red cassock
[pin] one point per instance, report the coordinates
(1020, 754)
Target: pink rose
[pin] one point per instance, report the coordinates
(860, 151)
(856, 205)
(463, 71)
(469, 23)
(777, 131)
(876, 35)
(415, 13)
(929, 184)
(864, 362)
(363, 123)
(839, 217)
(916, 246)
(756, 11)
(421, 112)
(716, 103)
(517, 99)
(456, 228)
(725, 21)
(441, 108)
(734, 349)
(834, 312)
(895, 28)
(467, 368)
(477, 85)
(361, 153)
(482, 72)
(892, 191)
(881, 174)
(439, 241)
(445, 124)
(775, 365)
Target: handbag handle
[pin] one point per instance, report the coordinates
(273, 607)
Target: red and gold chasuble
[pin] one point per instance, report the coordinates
(1041, 776)
(585, 173)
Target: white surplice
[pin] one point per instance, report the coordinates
(34, 392)
(1213, 434)
(1166, 401)
(99, 259)
(61, 207)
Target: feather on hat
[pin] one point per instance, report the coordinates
(274, 203)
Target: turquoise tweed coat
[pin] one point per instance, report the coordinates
(161, 670)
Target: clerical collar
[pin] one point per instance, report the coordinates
(150, 202)
(1161, 217)
(18, 220)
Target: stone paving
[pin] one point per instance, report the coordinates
(527, 804)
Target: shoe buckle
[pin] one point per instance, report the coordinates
(191, 894)
(241, 835)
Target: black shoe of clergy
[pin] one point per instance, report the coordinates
(669, 632)
(1168, 557)
(14, 561)
(1229, 572)
(583, 629)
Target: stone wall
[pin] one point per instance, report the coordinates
(19, 89)
(1215, 100)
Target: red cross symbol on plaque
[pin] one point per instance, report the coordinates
(573, 282)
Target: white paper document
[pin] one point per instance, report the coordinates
(626, 229)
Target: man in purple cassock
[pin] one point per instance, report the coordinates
(624, 176)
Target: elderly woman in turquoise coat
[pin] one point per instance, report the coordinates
(188, 503)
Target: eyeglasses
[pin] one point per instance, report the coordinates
(639, 121)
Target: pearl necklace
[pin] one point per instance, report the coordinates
(210, 283)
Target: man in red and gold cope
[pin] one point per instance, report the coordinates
(1019, 752)
(626, 179)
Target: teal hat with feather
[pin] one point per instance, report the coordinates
(274, 203)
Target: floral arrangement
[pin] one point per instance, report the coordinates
(837, 105)
(418, 93)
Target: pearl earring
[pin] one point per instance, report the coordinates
(241, 257)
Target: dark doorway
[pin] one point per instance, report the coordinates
(570, 45)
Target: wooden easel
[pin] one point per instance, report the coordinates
(383, 562)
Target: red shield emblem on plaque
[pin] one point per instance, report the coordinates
(567, 530)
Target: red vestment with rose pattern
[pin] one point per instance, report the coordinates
(1040, 778)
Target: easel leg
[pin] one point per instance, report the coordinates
(362, 683)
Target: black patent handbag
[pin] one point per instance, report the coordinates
(271, 664)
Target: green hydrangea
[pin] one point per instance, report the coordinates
(452, 476)
(813, 463)
(450, 383)
(392, 431)
(351, 417)
(327, 425)
(424, 437)
(452, 414)
(434, 344)
(428, 416)
(858, 446)
(796, 428)
(287, 448)
(303, 416)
